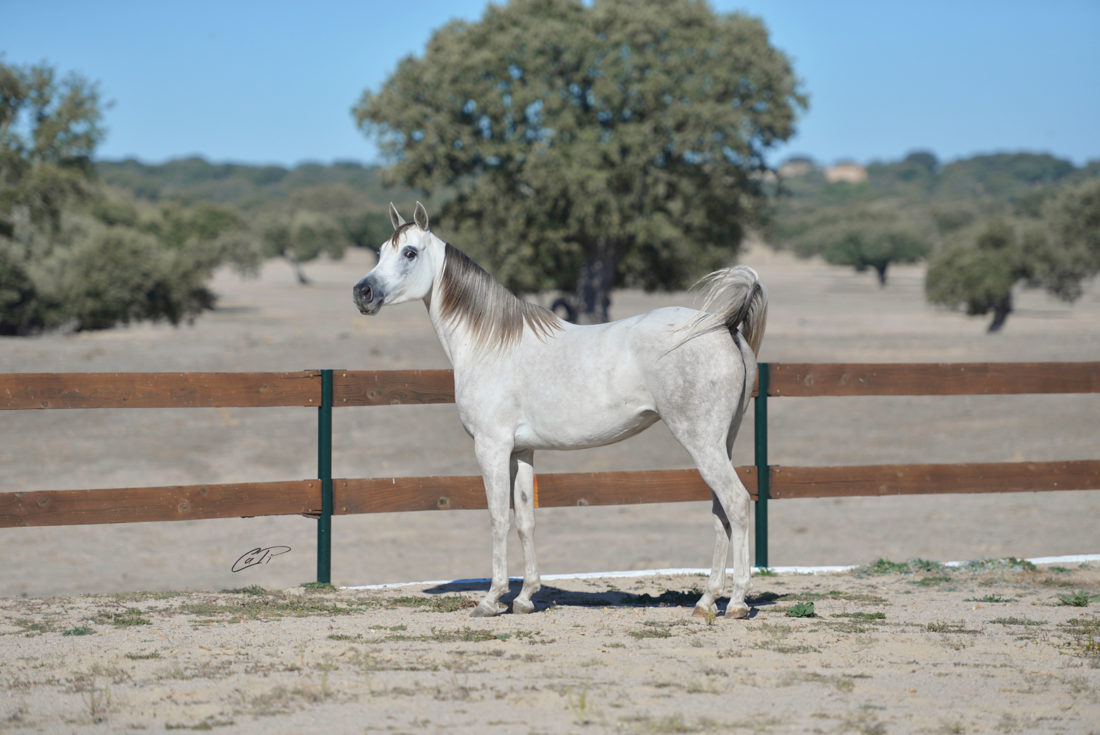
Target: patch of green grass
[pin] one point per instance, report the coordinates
(1013, 620)
(652, 629)
(318, 587)
(801, 610)
(467, 635)
(1084, 633)
(143, 656)
(439, 604)
(251, 606)
(30, 627)
(252, 589)
(940, 627)
(862, 615)
(991, 598)
(127, 618)
(885, 566)
(1009, 563)
(80, 630)
(765, 572)
(931, 581)
(209, 723)
(1080, 598)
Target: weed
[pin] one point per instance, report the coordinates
(862, 615)
(1080, 598)
(143, 656)
(80, 630)
(765, 572)
(580, 706)
(801, 610)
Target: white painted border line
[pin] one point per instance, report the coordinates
(1072, 559)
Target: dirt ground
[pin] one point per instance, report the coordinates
(998, 648)
(598, 653)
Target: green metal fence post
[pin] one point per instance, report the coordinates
(763, 478)
(324, 474)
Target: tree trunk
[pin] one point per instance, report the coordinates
(303, 280)
(594, 283)
(881, 271)
(1001, 310)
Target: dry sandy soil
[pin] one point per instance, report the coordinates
(930, 650)
(355, 667)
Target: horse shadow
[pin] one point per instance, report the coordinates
(550, 597)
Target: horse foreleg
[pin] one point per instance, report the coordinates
(494, 459)
(523, 473)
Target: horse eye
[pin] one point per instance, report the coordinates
(409, 253)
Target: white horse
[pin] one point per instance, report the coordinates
(526, 380)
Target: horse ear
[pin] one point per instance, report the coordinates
(395, 218)
(420, 216)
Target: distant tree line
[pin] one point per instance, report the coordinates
(87, 245)
(986, 224)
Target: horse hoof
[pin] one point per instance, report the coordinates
(485, 611)
(736, 611)
(522, 607)
(704, 612)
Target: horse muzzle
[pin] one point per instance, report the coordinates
(367, 296)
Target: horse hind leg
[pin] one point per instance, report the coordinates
(717, 581)
(731, 506)
(523, 472)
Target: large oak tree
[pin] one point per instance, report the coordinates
(588, 146)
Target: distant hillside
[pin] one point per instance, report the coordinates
(939, 199)
(192, 180)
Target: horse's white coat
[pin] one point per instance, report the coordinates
(555, 385)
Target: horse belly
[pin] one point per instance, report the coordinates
(585, 401)
(582, 432)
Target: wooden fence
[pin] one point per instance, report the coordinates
(327, 389)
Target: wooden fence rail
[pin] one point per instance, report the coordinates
(31, 391)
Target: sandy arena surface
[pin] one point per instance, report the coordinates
(357, 661)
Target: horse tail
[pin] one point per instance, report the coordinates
(737, 298)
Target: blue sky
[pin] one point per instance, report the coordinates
(274, 81)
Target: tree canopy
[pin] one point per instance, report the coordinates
(978, 271)
(587, 146)
(74, 255)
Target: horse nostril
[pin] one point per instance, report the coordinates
(365, 294)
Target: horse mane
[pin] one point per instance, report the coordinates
(492, 313)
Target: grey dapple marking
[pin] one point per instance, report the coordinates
(526, 380)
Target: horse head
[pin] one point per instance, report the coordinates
(407, 264)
